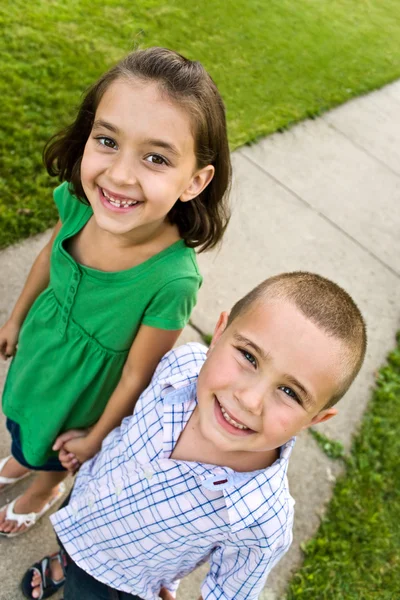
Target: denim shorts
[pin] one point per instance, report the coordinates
(52, 464)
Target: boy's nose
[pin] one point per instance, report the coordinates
(251, 400)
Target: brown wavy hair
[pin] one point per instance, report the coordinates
(203, 220)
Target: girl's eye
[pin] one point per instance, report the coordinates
(107, 142)
(249, 357)
(289, 392)
(156, 159)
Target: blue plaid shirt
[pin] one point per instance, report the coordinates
(139, 520)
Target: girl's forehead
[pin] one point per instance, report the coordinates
(145, 101)
(141, 92)
(140, 112)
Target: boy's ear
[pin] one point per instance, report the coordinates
(322, 416)
(200, 180)
(219, 328)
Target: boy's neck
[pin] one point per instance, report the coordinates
(193, 447)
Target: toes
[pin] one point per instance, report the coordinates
(36, 592)
(11, 527)
(36, 579)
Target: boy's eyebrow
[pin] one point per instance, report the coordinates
(309, 400)
(244, 340)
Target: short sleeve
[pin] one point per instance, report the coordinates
(171, 307)
(68, 205)
(239, 573)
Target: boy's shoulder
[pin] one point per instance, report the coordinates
(185, 360)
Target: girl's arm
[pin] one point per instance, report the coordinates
(148, 348)
(37, 281)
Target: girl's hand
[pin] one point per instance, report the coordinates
(68, 459)
(9, 334)
(76, 446)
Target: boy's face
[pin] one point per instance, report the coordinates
(267, 376)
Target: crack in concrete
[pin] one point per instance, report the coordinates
(319, 213)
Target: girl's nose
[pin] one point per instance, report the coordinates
(122, 170)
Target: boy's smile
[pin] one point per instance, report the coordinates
(268, 375)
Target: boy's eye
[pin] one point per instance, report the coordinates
(248, 356)
(289, 392)
(156, 159)
(107, 142)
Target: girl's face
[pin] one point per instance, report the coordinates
(139, 160)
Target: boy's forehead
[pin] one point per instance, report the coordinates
(280, 322)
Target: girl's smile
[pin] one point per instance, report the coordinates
(116, 202)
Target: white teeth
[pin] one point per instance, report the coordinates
(232, 421)
(118, 203)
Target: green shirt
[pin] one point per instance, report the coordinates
(77, 335)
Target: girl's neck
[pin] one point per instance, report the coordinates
(110, 252)
(160, 235)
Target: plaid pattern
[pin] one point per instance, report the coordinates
(138, 520)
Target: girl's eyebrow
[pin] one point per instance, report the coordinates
(149, 142)
(99, 124)
(163, 144)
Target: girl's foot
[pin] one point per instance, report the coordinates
(29, 506)
(11, 472)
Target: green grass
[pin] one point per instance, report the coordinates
(275, 62)
(332, 448)
(356, 552)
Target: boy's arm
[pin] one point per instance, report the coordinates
(239, 570)
(37, 281)
(148, 348)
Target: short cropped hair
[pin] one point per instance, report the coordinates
(324, 303)
(203, 220)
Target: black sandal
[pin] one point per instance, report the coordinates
(48, 586)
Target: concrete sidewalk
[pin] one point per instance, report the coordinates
(323, 197)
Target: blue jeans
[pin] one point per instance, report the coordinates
(81, 586)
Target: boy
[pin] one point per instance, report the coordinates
(199, 471)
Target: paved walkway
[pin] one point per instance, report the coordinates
(324, 197)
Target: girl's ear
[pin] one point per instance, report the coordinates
(219, 329)
(199, 181)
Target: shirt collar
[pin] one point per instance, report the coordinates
(250, 495)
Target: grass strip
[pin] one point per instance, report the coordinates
(275, 63)
(356, 552)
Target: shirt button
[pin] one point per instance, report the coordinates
(69, 300)
(64, 319)
(76, 276)
(148, 474)
(72, 289)
(65, 309)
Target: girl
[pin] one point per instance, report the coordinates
(145, 169)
